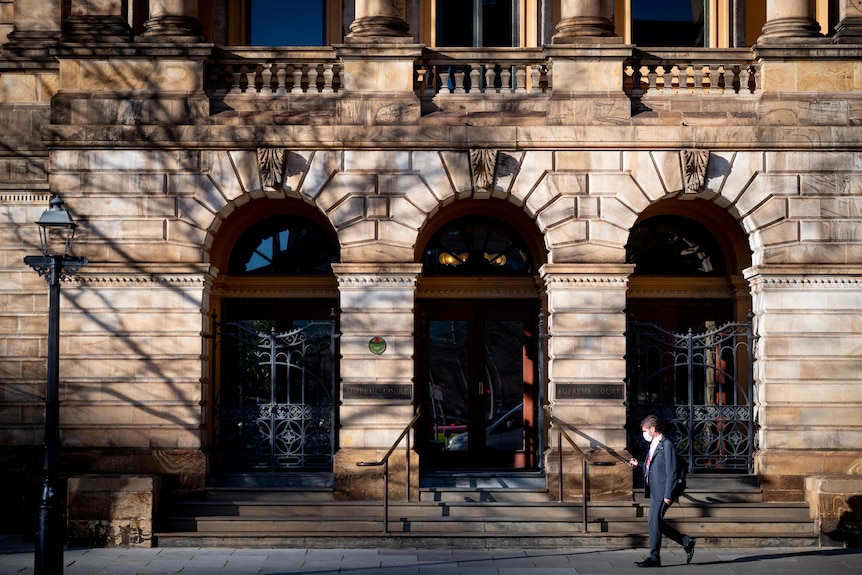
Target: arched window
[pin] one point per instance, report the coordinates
(668, 245)
(476, 245)
(283, 245)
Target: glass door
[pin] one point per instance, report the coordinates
(479, 392)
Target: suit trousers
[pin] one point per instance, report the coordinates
(658, 527)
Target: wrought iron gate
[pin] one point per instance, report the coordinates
(701, 386)
(273, 408)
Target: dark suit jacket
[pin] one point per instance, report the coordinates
(662, 471)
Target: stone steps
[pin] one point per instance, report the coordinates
(473, 512)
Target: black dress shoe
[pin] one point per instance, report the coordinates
(648, 562)
(689, 550)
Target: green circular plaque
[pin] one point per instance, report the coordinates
(377, 345)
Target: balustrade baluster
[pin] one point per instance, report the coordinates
(312, 79)
(698, 78)
(251, 80)
(444, 80)
(266, 79)
(430, 74)
(535, 79)
(520, 79)
(475, 75)
(667, 79)
(652, 78)
(281, 75)
(683, 79)
(328, 73)
(637, 77)
(490, 78)
(235, 74)
(297, 79)
(460, 75)
(505, 79)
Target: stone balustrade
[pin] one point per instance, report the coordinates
(463, 71)
(270, 72)
(694, 72)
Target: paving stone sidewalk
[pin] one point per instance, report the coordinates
(16, 558)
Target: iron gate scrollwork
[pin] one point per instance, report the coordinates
(274, 407)
(701, 386)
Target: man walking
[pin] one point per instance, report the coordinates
(660, 473)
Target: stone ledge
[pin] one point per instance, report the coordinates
(835, 502)
(112, 510)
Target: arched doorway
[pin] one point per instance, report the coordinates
(274, 360)
(690, 343)
(477, 341)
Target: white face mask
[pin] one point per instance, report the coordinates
(647, 437)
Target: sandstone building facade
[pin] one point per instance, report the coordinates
(483, 222)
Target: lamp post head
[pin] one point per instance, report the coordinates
(56, 230)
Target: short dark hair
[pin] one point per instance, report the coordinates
(651, 420)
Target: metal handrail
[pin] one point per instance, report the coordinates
(586, 460)
(384, 461)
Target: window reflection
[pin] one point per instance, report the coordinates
(673, 245)
(668, 23)
(476, 245)
(479, 23)
(280, 23)
(283, 245)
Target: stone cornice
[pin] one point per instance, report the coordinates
(441, 137)
(361, 276)
(586, 275)
(274, 292)
(184, 281)
(806, 282)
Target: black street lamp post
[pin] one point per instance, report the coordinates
(56, 231)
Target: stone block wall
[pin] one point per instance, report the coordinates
(112, 510)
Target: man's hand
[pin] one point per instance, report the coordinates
(668, 502)
(632, 462)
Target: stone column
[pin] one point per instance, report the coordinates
(379, 21)
(36, 23)
(173, 21)
(585, 22)
(97, 21)
(377, 307)
(587, 372)
(788, 21)
(849, 29)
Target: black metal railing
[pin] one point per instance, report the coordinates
(586, 462)
(384, 462)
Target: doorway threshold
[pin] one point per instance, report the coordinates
(483, 479)
(297, 480)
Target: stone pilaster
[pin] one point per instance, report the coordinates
(377, 82)
(379, 21)
(788, 21)
(585, 21)
(587, 370)
(849, 28)
(96, 21)
(377, 307)
(36, 24)
(587, 85)
(807, 374)
(173, 21)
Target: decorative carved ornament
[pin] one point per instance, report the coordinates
(483, 164)
(271, 161)
(694, 163)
